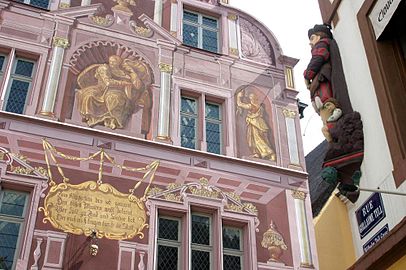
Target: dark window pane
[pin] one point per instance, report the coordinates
(189, 16)
(200, 230)
(168, 229)
(213, 111)
(17, 96)
(167, 258)
(2, 58)
(8, 242)
(190, 35)
(231, 238)
(188, 105)
(210, 40)
(188, 132)
(231, 262)
(24, 68)
(213, 137)
(200, 260)
(210, 22)
(40, 3)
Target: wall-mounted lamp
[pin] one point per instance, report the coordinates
(94, 247)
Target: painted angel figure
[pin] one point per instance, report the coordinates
(109, 92)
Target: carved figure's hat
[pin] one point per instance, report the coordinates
(323, 28)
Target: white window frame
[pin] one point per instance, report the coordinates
(4, 67)
(215, 121)
(14, 219)
(200, 28)
(199, 247)
(234, 252)
(18, 77)
(170, 243)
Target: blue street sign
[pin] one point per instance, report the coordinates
(370, 214)
(378, 236)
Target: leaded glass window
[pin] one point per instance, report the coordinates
(36, 3)
(19, 85)
(200, 31)
(213, 128)
(232, 248)
(168, 243)
(12, 212)
(188, 122)
(201, 242)
(3, 64)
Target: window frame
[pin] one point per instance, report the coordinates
(200, 26)
(214, 121)
(234, 252)
(206, 248)
(28, 2)
(170, 243)
(189, 115)
(16, 220)
(19, 77)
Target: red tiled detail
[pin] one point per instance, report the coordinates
(30, 155)
(250, 196)
(67, 151)
(198, 175)
(226, 189)
(228, 182)
(134, 164)
(164, 179)
(95, 167)
(75, 163)
(257, 188)
(4, 140)
(138, 175)
(168, 171)
(28, 144)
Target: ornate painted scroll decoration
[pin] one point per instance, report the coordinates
(177, 193)
(254, 44)
(109, 92)
(94, 205)
(273, 241)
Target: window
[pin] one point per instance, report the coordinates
(12, 212)
(232, 248)
(200, 31)
(189, 120)
(36, 3)
(168, 243)
(19, 85)
(3, 63)
(201, 244)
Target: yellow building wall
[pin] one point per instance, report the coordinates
(399, 265)
(335, 247)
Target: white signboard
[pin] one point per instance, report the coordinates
(381, 14)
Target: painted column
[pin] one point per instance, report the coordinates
(291, 134)
(60, 44)
(158, 12)
(232, 34)
(164, 102)
(86, 2)
(174, 18)
(302, 229)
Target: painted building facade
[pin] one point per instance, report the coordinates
(372, 45)
(148, 135)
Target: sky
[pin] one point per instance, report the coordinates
(289, 21)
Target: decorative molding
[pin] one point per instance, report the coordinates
(140, 31)
(299, 195)
(289, 113)
(64, 5)
(165, 67)
(232, 16)
(274, 242)
(60, 42)
(234, 51)
(106, 21)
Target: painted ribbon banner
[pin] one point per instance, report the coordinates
(79, 209)
(370, 214)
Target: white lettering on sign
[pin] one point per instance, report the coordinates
(381, 14)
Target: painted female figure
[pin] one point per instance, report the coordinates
(257, 128)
